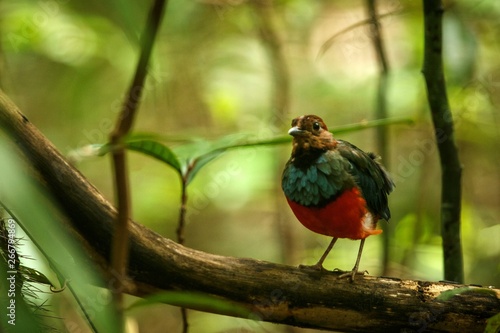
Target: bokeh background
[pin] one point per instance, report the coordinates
(67, 64)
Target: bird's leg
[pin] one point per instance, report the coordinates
(354, 271)
(319, 265)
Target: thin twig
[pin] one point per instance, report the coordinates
(181, 234)
(119, 255)
(182, 213)
(381, 106)
(330, 41)
(451, 169)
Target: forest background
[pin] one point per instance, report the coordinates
(214, 74)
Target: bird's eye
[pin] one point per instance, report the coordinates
(316, 126)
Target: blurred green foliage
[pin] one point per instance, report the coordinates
(68, 63)
(33, 216)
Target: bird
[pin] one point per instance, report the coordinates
(333, 187)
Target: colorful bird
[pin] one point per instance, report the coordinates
(333, 187)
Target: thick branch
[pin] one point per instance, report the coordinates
(275, 293)
(451, 169)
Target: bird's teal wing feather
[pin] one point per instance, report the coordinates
(319, 182)
(373, 180)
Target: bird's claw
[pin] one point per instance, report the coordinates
(350, 274)
(343, 274)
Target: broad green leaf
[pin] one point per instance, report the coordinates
(196, 301)
(201, 161)
(155, 149)
(201, 152)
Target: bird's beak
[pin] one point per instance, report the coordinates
(295, 131)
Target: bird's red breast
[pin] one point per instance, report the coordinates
(333, 187)
(345, 217)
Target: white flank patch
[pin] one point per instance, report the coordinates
(368, 221)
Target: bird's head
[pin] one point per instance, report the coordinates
(310, 133)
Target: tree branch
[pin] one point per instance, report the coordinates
(274, 292)
(451, 169)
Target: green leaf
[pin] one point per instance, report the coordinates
(35, 214)
(32, 275)
(493, 324)
(202, 152)
(154, 149)
(196, 301)
(200, 162)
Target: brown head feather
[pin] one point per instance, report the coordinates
(310, 138)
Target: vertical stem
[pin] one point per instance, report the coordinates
(182, 213)
(381, 106)
(119, 248)
(451, 169)
(181, 234)
(185, 323)
(119, 251)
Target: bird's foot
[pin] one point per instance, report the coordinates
(350, 274)
(316, 267)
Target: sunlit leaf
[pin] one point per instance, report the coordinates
(197, 301)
